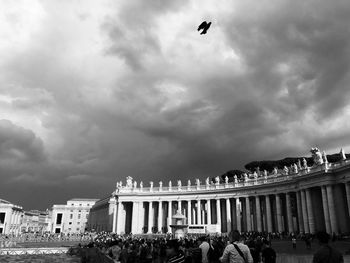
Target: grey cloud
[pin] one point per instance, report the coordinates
(20, 144)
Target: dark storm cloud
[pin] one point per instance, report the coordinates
(105, 91)
(19, 145)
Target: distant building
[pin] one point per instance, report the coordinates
(72, 217)
(10, 218)
(101, 215)
(35, 221)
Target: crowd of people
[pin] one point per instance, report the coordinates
(245, 248)
(249, 247)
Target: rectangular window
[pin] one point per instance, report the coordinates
(71, 216)
(88, 204)
(79, 211)
(78, 223)
(79, 216)
(69, 229)
(70, 223)
(2, 218)
(80, 204)
(59, 219)
(78, 229)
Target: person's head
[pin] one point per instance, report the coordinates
(202, 239)
(234, 236)
(323, 237)
(172, 247)
(266, 243)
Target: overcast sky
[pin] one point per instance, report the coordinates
(94, 91)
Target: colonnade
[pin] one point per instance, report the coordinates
(304, 210)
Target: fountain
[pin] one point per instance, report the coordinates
(179, 228)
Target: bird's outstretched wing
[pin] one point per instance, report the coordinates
(202, 26)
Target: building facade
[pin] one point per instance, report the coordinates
(10, 218)
(297, 199)
(71, 217)
(35, 221)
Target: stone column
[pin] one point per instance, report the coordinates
(209, 211)
(310, 212)
(198, 212)
(160, 216)
(135, 217)
(305, 216)
(268, 214)
(179, 206)
(289, 213)
(115, 212)
(300, 213)
(169, 216)
(119, 217)
(279, 213)
(150, 217)
(326, 210)
(347, 190)
(258, 214)
(247, 208)
(228, 213)
(189, 212)
(238, 215)
(332, 214)
(218, 212)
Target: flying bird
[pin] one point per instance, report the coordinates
(205, 26)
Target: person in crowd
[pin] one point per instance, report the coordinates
(294, 242)
(114, 250)
(124, 253)
(268, 254)
(236, 252)
(204, 246)
(326, 253)
(174, 254)
(215, 251)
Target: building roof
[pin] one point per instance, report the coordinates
(4, 201)
(83, 199)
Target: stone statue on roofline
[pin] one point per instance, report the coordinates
(207, 181)
(189, 182)
(129, 181)
(342, 154)
(324, 157)
(151, 185)
(299, 165)
(217, 180)
(285, 170)
(179, 184)
(265, 174)
(295, 168)
(170, 184)
(198, 183)
(317, 156)
(226, 179)
(160, 184)
(141, 185)
(117, 185)
(304, 163)
(275, 171)
(235, 178)
(135, 184)
(245, 177)
(255, 174)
